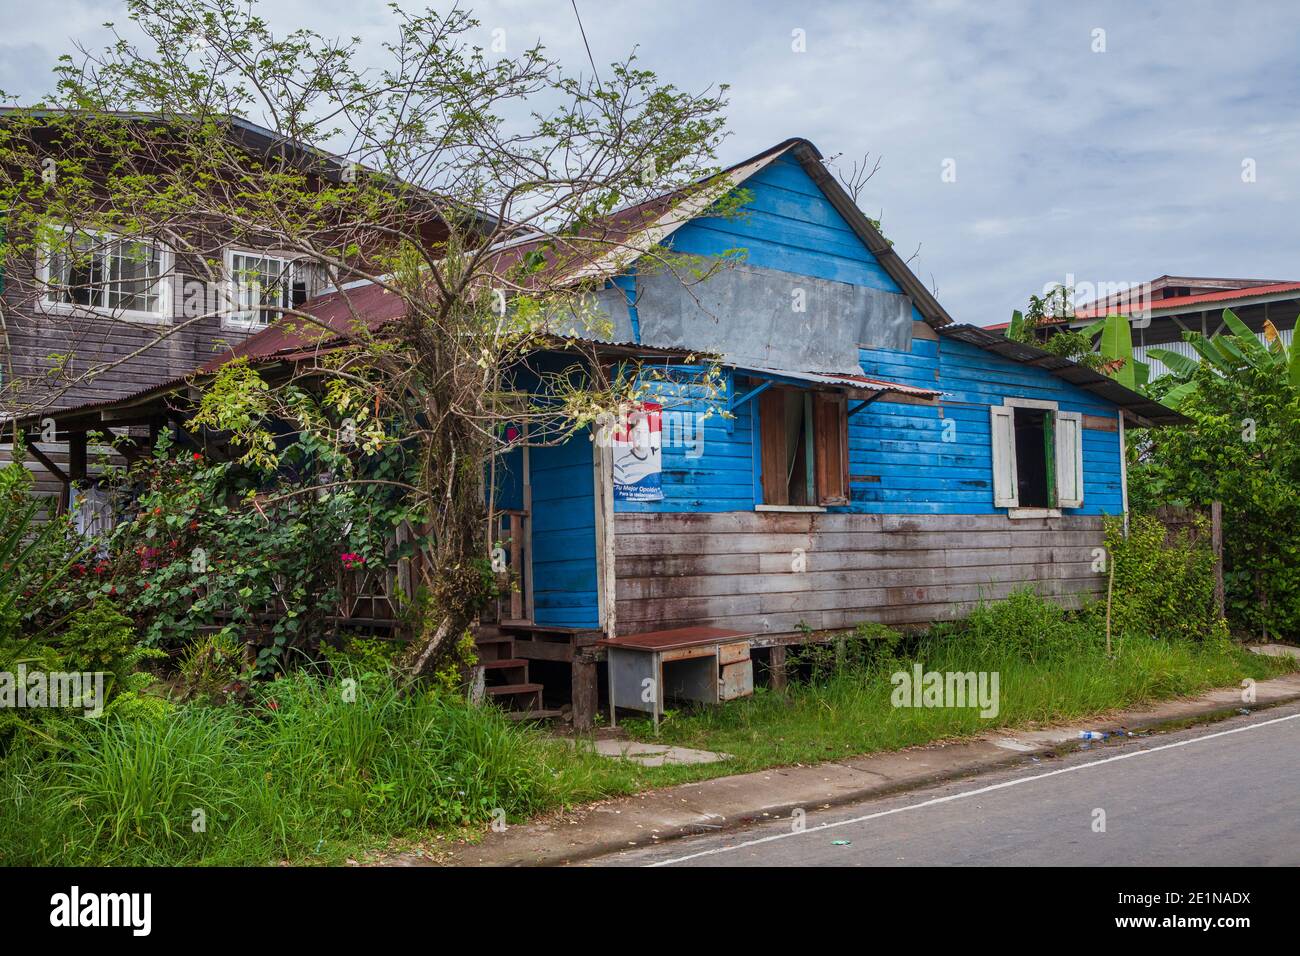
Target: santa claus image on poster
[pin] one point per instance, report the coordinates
(636, 447)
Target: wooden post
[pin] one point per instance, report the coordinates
(776, 668)
(516, 565)
(584, 691)
(77, 456)
(1216, 542)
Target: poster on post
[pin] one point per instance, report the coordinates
(636, 446)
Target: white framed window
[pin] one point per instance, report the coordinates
(1037, 457)
(260, 285)
(127, 278)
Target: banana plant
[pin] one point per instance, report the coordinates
(1116, 348)
(1228, 353)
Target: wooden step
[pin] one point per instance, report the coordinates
(511, 690)
(541, 714)
(494, 648)
(505, 663)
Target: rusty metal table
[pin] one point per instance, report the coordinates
(709, 665)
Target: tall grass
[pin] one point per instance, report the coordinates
(307, 772)
(310, 774)
(1051, 666)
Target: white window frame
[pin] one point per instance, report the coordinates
(232, 315)
(166, 284)
(1013, 503)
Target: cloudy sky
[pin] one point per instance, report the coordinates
(1111, 142)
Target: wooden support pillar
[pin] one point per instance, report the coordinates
(1216, 542)
(776, 675)
(584, 691)
(77, 456)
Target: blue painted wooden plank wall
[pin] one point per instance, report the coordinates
(707, 460)
(791, 226)
(921, 473)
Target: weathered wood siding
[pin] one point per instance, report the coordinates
(774, 573)
(35, 337)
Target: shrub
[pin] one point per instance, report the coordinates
(1243, 449)
(1164, 582)
(211, 664)
(367, 655)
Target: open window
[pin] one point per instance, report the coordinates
(1037, 457)
(804, 448)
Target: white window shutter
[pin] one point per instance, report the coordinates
(1006, 490)
(1069, 460)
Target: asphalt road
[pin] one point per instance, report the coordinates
(1222, 794)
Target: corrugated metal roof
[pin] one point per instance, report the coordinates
(836, 378)
(1147, 410)
(1179, 302)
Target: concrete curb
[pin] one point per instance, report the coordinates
(725, 803)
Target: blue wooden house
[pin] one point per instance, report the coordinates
(867, 458)
(823, 446)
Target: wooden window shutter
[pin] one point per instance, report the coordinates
(1069, 460)
(772, 452)
(831, 458)
(1006, 491)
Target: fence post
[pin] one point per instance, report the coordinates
(1216, 542)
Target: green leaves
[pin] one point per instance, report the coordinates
(1016, 330)
(1243, 449)
(1117, 346)
(1176, 362)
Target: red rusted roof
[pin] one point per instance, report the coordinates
(334, 315)
(1177, 303)
(1205, 298)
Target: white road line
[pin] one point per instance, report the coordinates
(972, 793)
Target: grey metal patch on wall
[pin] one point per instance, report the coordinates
(749, 314)
(601, 316)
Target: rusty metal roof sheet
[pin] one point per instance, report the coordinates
(836, 378)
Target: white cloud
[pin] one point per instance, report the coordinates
(1124, 164)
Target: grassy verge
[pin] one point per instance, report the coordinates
(306, 775)
(312, 776)
(849, 711)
